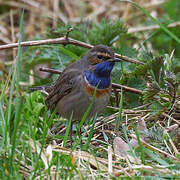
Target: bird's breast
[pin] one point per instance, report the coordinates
(90, 90)
(101, 100)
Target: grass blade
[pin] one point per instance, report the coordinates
(130, 146)
(90, 133)
(67, 131)
(139, 142)
(16, 123)
(2, 122)
(119, 118)
(154, 20)
(84, 118)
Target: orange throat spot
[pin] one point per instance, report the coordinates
(99, 92)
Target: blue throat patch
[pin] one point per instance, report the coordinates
(100, 77)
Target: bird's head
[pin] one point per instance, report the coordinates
(101, 59)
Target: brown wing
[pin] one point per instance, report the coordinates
(63, 86)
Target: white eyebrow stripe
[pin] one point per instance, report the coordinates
(106, 55)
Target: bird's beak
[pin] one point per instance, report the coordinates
(115, 59)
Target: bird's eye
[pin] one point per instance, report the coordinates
(99, 56)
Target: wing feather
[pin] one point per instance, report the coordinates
(63, 86)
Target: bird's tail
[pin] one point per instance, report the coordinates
(36, 88)
(43, 89)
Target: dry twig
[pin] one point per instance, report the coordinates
(64, 41)
(150, 28)
(154, 148)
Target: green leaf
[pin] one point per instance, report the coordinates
(156, 68)
(156, 157)
(150, 92)
(106, 32)
(156, 108)
(58, 56)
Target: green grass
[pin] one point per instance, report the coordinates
(154, 20)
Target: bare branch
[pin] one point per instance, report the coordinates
(126, 88)
(67, 34)
(64, 41)
(150, 28)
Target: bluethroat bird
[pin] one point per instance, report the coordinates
(73, 91)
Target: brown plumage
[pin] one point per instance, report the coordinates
(73, 90)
